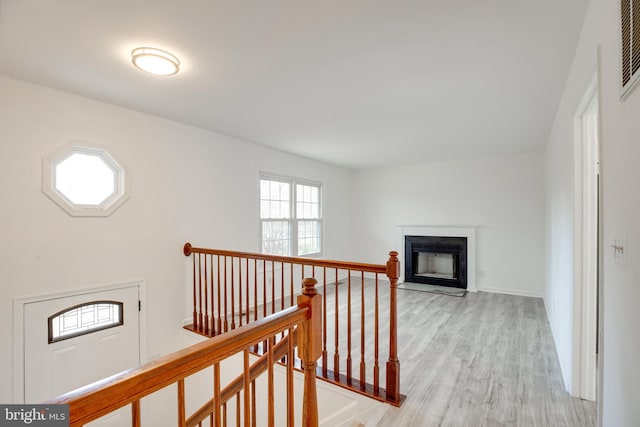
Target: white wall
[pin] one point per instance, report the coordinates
(188, 184)
(559, 208)
(502, 196)
(620, 127)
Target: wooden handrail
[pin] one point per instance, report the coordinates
(265, 282)
(105, 396)
(343, 265)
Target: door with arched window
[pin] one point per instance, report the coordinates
(74, 340)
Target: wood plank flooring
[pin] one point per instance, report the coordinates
(482, 360)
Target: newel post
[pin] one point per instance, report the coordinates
(186, 250)
(393, 364)
(310, 349)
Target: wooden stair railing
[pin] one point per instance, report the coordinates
(299, 325)
(231, 289)
(280, 350)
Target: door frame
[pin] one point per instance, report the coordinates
(18, 326)
(586, 282)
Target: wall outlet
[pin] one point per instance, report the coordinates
(619, 251)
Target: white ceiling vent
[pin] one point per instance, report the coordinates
(630, 44)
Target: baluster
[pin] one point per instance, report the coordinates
(219, 299)
(273, 287)
(240, 289)
(224, 414)
(181, 411)
(282, 285)
(195, 293)
(247, 392)
(270, 385)
(135, 413)
(324, 322)
(255, 296)
(264, 297)
(264, 288)
(376, 350)
(393, 364)
(206, 297)
(200, 325)
(254, 422)
(290, 395)
(247, 307)
(255, 289)
(233, 297)
(238, 409)
(336, 354)
(349, 327)
(216, 395)
(363, 367)
(226, 322)
(291, 285)
(213, 299)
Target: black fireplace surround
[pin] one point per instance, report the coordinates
(450, 248)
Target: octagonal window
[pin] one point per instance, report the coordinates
(84, 181)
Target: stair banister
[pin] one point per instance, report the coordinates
(261, 280)
(102, 397)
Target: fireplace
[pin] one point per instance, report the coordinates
(436, 260)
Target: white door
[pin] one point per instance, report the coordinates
(75, 340)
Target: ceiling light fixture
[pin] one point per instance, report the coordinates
(155, 61)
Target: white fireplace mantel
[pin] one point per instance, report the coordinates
(444, 231)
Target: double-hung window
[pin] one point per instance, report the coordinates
(290, 216)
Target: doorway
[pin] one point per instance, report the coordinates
(68, 340)
(587, 263)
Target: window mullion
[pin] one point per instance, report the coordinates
(294, 218)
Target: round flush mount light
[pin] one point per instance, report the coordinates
(155, 61)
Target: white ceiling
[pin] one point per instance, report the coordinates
(357, 83)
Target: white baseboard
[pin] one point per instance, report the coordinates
(518, 292)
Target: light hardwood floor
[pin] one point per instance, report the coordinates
(482, 360)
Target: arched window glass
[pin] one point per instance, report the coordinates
(85, 318)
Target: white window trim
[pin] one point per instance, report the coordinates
(122, 183)
(293, 220)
